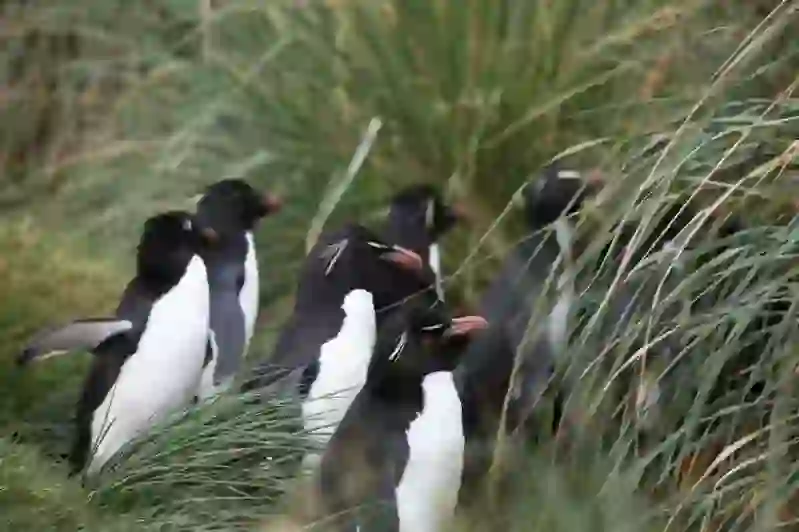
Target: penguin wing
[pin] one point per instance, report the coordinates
(84, 334)
(227, 323)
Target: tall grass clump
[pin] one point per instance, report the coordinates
(335, 105)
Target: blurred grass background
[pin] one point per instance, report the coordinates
(111, 111)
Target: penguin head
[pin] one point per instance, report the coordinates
(420, 210)
(233, 205)
(355, 258)
(168, 242)
(424, 338)
(556, 192)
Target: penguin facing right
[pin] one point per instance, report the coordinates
(418, 217)
(509, 301)
(403, 440)
(148, 359)
(231, 208)
(350, 282)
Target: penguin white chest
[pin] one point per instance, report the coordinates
(428, 490)
(559, 316)
(248, 297)
(435, 265)
(343, 365)
(162, 375)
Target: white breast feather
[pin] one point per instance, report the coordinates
(343, 364)
(207, 388)
(248, 297)
(559, 316)
(435, 265)
(162, 376)
(428, 490)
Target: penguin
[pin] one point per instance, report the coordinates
(231, 208)
(350, 281)
(147, 359)
(403, 440)
(510, 299)
(418, 217)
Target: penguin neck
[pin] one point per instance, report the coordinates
(393, 384)
(233, 244)
(159, 280)
(409, 232)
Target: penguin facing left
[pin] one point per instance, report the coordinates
(231, 208)
(403, 439)
(418, 217)
(148, 359)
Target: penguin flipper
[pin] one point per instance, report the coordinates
(83, 334)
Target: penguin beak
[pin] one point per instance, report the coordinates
(209, 236)
(466, 325)
(271, 203)
(404, 258)
(460, 212)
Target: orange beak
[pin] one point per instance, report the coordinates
(271, 203)
(209, 235)
(466, 325)
(404, 258)
(460, 211)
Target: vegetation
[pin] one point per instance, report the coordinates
(112, 110)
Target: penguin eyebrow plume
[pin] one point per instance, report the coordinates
(377, 245)
(434, 327)
(569, 174)
(333, 253)
(403, 340)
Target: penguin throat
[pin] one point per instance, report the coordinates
(434, 259)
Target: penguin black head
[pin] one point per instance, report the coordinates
(355, 258)
(423, 339)
(233, 205)
(421, 206)
(168, 242)
(557, 192)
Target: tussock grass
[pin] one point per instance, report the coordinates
(670, 99)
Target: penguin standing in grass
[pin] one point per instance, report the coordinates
(350, 282)
(543, 257)
(147, 359)
(231, 208)
(418, 217)
(403, 440)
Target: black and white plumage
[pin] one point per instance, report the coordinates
(418, 217)
(543, 257)
(231, 208)
(148, 359)
(399, 451)
(350, 281)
